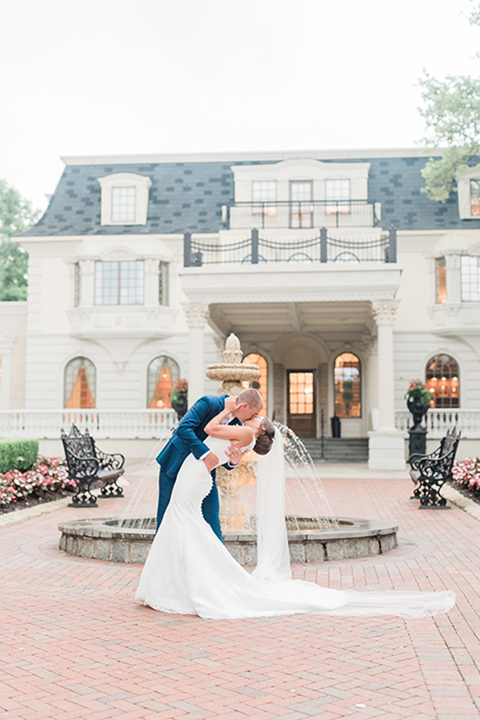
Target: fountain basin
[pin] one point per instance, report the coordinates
(106, 539)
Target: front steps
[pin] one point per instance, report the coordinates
(338, 450)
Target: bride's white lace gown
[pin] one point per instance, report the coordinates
(189, 571)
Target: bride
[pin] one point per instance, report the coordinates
(190, 571)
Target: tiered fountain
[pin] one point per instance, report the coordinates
(314, 534)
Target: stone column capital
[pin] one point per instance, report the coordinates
(197, 314)
(385, 311)
(452, 260)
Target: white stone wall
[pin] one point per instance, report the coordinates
(121, 342)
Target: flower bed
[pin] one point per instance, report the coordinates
(47, 478)
(466, 474)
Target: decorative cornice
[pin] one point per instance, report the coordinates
(274, 156)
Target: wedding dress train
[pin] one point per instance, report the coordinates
(189, 571)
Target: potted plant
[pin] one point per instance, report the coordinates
(179, 397)
(418, 398)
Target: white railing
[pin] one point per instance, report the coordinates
(46, 424)
(439, 421)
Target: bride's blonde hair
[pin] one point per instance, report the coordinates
(265, 439)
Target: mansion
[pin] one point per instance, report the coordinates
(341, 279)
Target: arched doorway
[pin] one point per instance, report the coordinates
(301, 384)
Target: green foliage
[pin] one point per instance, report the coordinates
(451, 111)
(16, 215)
(474, 17)
(17, 454)
(452, 117)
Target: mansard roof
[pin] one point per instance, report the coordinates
(188, 191)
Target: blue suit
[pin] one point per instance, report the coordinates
(188, 438)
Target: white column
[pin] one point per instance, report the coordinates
(196, 314)
(372, 383)
(454, 281)
(87, 283)
(151, 281)
(386, 445)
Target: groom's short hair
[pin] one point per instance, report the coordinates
(252, 397)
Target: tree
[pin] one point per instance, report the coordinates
(16, 215)
(452, 116)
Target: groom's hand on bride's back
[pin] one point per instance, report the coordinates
(211, 461)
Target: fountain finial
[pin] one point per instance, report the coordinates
(233, 351)
(232, 372)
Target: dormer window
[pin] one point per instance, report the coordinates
(124, 204)
(124, 199)
(475, 197)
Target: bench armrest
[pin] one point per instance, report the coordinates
(115, 461)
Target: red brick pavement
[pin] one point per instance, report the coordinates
(75, 645)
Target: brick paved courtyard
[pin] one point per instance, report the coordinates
(75, 645)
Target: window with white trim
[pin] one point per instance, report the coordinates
(123, 204)
(163, 283)
(475, 197)
(119, 282)
(470, 268)
(263, 193)
(77, 285)
(301, 209)
(337, 195)
(124, 199)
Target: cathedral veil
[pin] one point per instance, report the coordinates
(273, 560)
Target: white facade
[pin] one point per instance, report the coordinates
(299, 315)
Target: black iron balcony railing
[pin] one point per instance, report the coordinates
(321, 248)
(301, 214)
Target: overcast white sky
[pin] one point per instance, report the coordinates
(103, 77)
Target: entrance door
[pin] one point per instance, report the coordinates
(301, 402)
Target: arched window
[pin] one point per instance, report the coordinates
(79, 383)
(161, 375)
(443, 381)
(260, 383)
(347, 386)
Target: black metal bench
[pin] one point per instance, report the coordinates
(87, 464)
(429, 473)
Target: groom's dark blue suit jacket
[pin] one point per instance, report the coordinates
(190, 434)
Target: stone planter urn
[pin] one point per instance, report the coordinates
(180, 405)
(418, 408)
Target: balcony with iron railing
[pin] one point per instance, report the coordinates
(301, 214)
(322, 247)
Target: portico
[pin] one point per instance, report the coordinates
(301, 318)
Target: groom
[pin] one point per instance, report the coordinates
(189, 438)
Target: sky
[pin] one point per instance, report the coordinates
(110, 77)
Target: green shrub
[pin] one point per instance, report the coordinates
(17, 454)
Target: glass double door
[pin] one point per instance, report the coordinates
(301, 399)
